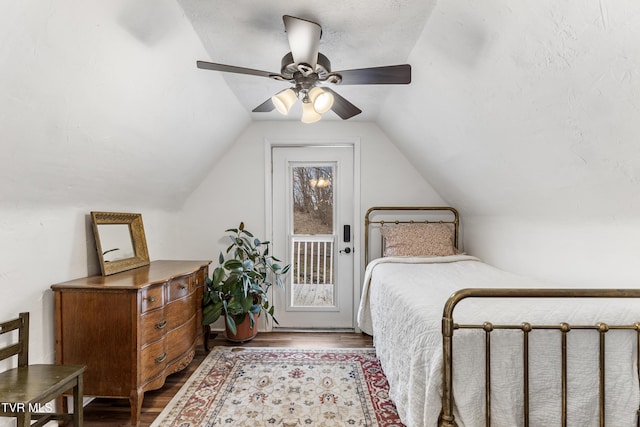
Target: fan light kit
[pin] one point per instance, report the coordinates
(315, 103)
(306, 69)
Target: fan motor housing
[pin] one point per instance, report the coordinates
(289, 67)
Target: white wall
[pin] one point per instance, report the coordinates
(43, 245)
(591, 253)
(234, 190)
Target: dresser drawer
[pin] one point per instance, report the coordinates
(151, 298)
(179, 311)
(179, 287)
(153, 325)
(199, 277)
(153, 360)
(181, 339)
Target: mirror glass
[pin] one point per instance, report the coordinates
(120, 241)
(116, 243)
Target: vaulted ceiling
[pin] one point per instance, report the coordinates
(516, 107)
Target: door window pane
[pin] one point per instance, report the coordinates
(313, 238)
(313, 200)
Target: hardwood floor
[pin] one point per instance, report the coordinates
(116, 412)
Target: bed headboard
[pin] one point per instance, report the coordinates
(377, 216)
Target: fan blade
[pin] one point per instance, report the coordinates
(233, 69)
(304, 39)
(343, 108)
(265, 107)
(389, 75)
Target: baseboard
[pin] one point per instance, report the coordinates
(336, 330)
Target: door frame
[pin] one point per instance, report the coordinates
(353, 142)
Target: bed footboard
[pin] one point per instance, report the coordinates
(449, 326)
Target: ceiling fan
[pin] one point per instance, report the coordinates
(307, 69)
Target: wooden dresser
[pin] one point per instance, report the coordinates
(131, 329)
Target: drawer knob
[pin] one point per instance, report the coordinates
(161, 358)
(150, 299)
(182, 287)
(162, 324)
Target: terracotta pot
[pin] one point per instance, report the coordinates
(244, 332)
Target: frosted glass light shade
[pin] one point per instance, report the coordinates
(284, 100)
(309, 114)
(322, 101)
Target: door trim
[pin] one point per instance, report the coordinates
(353, 142)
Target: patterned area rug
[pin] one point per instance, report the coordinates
(283, 387)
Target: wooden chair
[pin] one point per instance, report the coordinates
(27, 392)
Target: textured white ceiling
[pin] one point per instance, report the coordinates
(515, 108)
(526, 109)
(102, 102)
(355, 34)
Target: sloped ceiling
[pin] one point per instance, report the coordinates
(101, 104)
(516, 107)
(527, 108)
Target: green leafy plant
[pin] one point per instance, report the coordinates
(239, 286)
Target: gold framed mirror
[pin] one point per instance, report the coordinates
(120, 241)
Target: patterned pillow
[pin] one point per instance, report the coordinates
(419, 239)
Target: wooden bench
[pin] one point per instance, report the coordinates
(28, 391)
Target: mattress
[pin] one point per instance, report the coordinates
(401, 306)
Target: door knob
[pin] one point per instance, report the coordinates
(346, 251)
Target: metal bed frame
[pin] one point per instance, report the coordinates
(449, 327)
(372, 212)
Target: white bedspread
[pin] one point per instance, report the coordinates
(401, 306)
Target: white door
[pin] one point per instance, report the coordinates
(313, 218)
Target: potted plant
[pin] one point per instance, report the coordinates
(238, 287)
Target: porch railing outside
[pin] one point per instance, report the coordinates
(312, 259)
